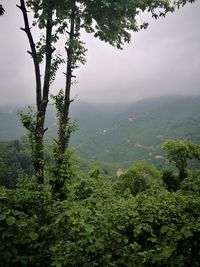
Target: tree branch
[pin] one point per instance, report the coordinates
(33, 52)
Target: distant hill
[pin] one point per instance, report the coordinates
(10, 125)
(120, 134)
(138, 131)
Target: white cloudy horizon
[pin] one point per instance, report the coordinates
(162, 60)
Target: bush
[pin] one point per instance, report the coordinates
(96, 226)
(170, 179)
(140, 177)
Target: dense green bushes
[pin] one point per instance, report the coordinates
(14, 161)
(102, 222)
(147, 217)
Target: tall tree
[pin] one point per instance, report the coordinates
(111, 21)
(43, 17)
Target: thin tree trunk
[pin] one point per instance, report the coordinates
(41, 95)
(42, 107)
(64, 135)
(183, 173)
(33, 52)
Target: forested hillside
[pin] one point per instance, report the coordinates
(138, 132)
(116, 135)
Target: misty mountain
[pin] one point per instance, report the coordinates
(138, 132)
(120, 134)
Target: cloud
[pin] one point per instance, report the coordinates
(163, 59)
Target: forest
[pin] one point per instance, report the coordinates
(62, 201)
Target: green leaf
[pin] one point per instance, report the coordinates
(187, 233)
(164, 229)
(33, 236)
(2, 217)
(10, 220)
(99, 244)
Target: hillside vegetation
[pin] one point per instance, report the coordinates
(117, 135)
(138, 132)
(144, 218)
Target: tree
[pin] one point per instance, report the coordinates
(43, 17)
(110, 20)
(179, 152)
(196, 151)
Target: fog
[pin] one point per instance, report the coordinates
(164, 59)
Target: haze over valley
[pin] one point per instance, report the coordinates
(117, 135)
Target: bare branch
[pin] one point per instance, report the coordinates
(29, 52)
(23, 29)
(53, 50)
(19, 7)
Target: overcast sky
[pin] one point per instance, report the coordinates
(164, 59)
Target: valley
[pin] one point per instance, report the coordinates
(117, 135)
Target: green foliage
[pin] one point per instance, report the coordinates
(144, 168)
(170, 179)
(150, 230)
(62, 170)
(139, 178)
(95, 225)
(112, 21)
(78, 52)
(196, 151)
(178, 152)
(28, 119)
(59, 101)
(95, 173)
(23, 224)
(14, 162)
(57, 60)
(134, 182)
(126, 142)
(191, 185)
(156, 121)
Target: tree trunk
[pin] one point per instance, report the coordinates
(183, 173)
(41, 95)
(64, 133)
(39, 147)
(42, 106)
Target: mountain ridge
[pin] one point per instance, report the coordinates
(122, 134)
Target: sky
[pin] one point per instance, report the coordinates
(162, 60)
